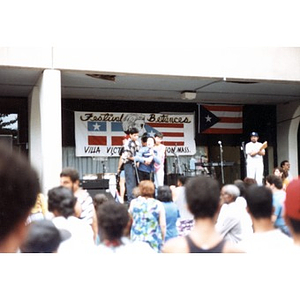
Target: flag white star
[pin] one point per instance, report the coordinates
(208, 118)
(96, 126)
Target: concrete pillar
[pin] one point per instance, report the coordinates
(287, 131)
(45, 129)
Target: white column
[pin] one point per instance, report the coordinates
(45, 129)
(287, 130)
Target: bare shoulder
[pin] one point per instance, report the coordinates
(176, 245)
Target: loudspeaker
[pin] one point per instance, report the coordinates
(172, 178)
(94, 184)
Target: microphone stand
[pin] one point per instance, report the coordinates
(221, 162)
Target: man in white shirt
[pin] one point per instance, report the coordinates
(265, 239)
(255, 164)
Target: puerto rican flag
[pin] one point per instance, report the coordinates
(220, 119)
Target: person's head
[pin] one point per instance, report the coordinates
(99, 199)
(229, 193)
(241, 186)
(150, 142)
(259, 202)
(285, 165)
(292, 206)
(249, 182)
(274, 182)
(181, 180)
(144, 138)
(278, 171)
(19, 187)
(146, 188)
(43, 237)
(69, 178)
(203, 196)
(254, 137)
(134, 133)
(112, 220)
(164, 194)
(61, 201)
(158, 137)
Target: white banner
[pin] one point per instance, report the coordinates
(101, 134)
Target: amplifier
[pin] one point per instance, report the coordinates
(94, 184)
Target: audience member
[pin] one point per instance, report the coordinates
(164, 194)
(203, 199)
(159, 172)
(113, 219)
(128, 157)
(19, 188)
(98, 200)
(275, 184)
(278, 171)
(186, 220)
(285, 165)
(84, 209)
(148, 217)
(61, 203)
(43, 237)
(39, 211)
(266, 239)
(229, 223)
(246, 222)
(292, 211)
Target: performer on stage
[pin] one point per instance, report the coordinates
(255, 152)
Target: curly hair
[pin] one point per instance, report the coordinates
(112, 218)
(62, 200)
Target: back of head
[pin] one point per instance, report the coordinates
(99, 199)
(43, 237)
(62, 201)
(273, 179)
(203, 196)
(19, 188)
(164, 193)
(112, 220)
(146, 188)
(259, 201)
(70, 172)
(241, 186)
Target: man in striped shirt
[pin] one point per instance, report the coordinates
(84, 208)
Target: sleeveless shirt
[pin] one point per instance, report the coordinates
(195, 249)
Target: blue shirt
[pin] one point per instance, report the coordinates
(140, 157)
(172, 214)
(278, 199)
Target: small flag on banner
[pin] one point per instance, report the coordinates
(221, 119)
(173, 132)
(105, 133)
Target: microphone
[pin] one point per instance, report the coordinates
(220, 143)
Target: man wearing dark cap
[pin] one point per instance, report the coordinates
(255, 163)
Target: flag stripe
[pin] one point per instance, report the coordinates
(166, 125)
(223, 131)
(212, 108)
(97, 140)
(173, 134)
(166, 143)
(231, 120)
(228, 114)
(227, 125)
